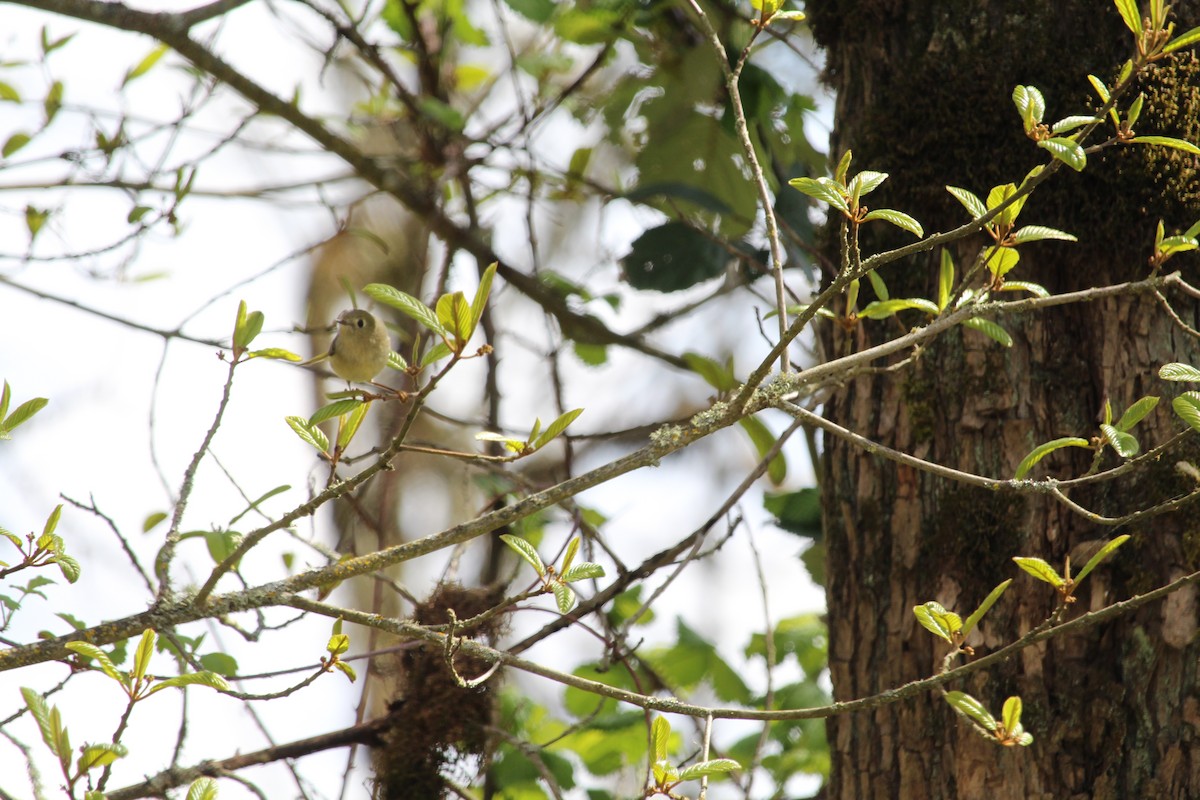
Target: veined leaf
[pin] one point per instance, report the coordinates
(334, 409)
(1040, 570)
(1101, 554)
(866, 182)
(877, 285)
(309, 433)
(823, 189)
(972, 708)
(1137, 412)
(100, 657)
(1067, 151)
(526, 551)
(455, 316)
(202, 789)
(937, 620)
(660, 736)
(1125, 444)
(1187, 406)
(897, 218)
(1168, 141)
(1128, 10)
(564, 597)
(1068, 124)
(584, 570)
(989, 329)
(405, 304)
(1179, 372)
(716, 766)
(100, 755)
(1035, 233)
(1031, 105)
(210, 679)
(479, 301)
(1043, 450)
(145, 650)
(558, 426)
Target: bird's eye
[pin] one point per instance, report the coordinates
(362, 323)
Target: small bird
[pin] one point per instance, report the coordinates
(359, 351)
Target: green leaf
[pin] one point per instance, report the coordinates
(14, 143)
(763, 440)
(998, 196)
(973, 204)
(202, 789)
(221, 544)
(350, 425)
(584, 570)
(8, 93)
(843, 168)
(23, 412)
(1179, 372)
(52, 520)
(526, 551)
(564, 596)
(1101, 554)
(1101, 89)
(1068, 151)
(338, 643)
(719, 376)
(455, 316)
(877, 285)
(145, 649)
(1187, 407)
(1043, 450)
(1135, 110)
(716, 766)
(346, 670)
(557, 427)
(436, 353)
(972, 708)
(209, 679)
(100, 755)
(937, 620)
(866, 182)
(823, 189)
(220, 663)
(146, 64)
(1168, 141)
(1182, 40)
(945, 279)
(1035, 233)
(311, 434)
(989, 329)
(52, 102)
(1011, 713)
(1137, 412)
(882, 309)
(479, 302)
(1031, 105)
(152, 520)
(1123, 443)
(672, 257)
(1040, 570)
(1035, 289)
(897, 218)
(660, 737)
(334, 409)
(1130, 15)
(405, 304)
(247, 329)
(41, 712)
(987, 603)
(1068, 124)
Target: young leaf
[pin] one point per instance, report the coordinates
(526, 551)
(202, 789)
(1182, 40)
(349, 425)
(309, 433)
(660, 736)
(937, 620)
(564, 596)
(1069, 152)
(1179, 372)
(716, 375)
(897, 218)
(716, 766)
(146, 64)
(1168, 141)
(1036, 233)
(1035, 289)
(338, 643)
(989, 329)
(763, 440)
(479, 302)
(436, 353)
(68, 566)
(1128, 10)
(145, 649)
(251, 325)
(406, 304)
(334, 409)
(843, 167)
(866, 182)
(558, 426)
(1040, 570)
(1001, 260)
(823, 189)
(1011, 713)
(1031, 105)
(945, 279)
(347, 670)
(569, 555)
(1125, 444)
(22, 413)
(1068, 124)
(582, 571)
(1187, 406)
(455, 316)
(41, 714)
(972, 708)
(100, 657)
(209, 679)
(1043, 450)
(987, 603)
(878, 286)
(882, 309)
(1101, 554)
(99, 755)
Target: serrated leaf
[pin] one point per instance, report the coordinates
(1187, 407)
(332, 410)
(1035, 233)
(1043, 450)
(526, 551)
(1125, 445)
(100, 755)
(146, 64)
(1067, 151)
(23, 412)
(988, 602)
(716, 766)
(897, 218)
(1168, 141)
(406, 304)
(145, 650)
(660, 737)
(882, 309)
(1182, 40)
(209, 679)
(1101, 554)
(1179, 372)
(582, 571)
(823, 189)
(564, 597)
(937, 620)
(202, 789)
(1137, 412)
(1010, 715)
(314, 436)
(972, 708)
(1040, 570)
(558, 426)
(973, 204)
(989, 329)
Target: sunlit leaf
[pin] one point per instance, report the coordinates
(989, 329)
(1035, 233)
(1043, 450)
(405, 304)
(1123, 443)
(897, 218)
(972, 708)
(1067, 151)
(1168, 141)
(1040, 570)
(988, 602)
(526, 551)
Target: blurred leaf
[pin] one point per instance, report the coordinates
(797, 512)
(145, 65)
(988, 602)
(1101, 554)
(220, 663)
(1179, 372)
(209, 679)
(763, 440)
(672, 257)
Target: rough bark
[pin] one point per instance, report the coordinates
(924, 94)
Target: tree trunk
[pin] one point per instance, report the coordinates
(924, 94)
